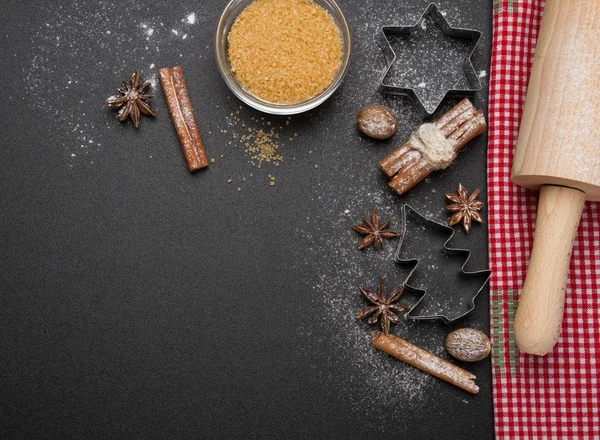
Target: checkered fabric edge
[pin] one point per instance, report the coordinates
(556, 396)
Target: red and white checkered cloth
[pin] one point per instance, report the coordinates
(556, 396)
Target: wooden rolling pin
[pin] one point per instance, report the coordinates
(558, 153)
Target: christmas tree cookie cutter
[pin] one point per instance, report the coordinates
(470, 35)
(458, 297)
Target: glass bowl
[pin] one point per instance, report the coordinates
(231, 12)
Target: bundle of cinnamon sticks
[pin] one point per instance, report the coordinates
(407, 166)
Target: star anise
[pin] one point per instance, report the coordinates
(383, 308)
(132, 100)
(375, 233)
(465, 207)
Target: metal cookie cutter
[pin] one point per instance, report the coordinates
(471, 77)
(450, 299)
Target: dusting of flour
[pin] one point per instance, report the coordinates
(349, 189)
(75, 51)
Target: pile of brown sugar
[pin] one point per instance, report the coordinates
(285, 51)
(260, 138)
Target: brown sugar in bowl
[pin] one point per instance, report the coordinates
(283, 56)
(285, 51)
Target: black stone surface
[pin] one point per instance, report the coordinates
(139, 301)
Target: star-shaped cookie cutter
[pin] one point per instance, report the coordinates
(449, 316)
(390, 57)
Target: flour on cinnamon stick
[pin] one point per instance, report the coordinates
(182, 113)
(425, 361)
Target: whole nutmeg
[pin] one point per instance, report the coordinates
(469, 345)
(377, 121)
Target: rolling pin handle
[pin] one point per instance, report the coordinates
(540, 312)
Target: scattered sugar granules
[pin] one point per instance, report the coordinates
(259, 137)
(261, 146)
(285, 51)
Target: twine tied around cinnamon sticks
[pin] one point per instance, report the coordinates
(435, 149)
(433, 146)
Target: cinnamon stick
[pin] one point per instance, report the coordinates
(406, 165)
(399, 159)
(456, 115)
(425, 361)
(407, 178)
(180, 106)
